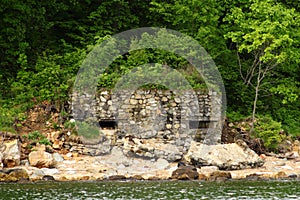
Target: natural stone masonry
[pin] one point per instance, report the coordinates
(173, 118)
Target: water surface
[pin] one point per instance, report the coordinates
(152, 190)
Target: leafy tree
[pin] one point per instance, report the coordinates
(264, 39)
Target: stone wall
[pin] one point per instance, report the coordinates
(149, 123)
(170, 117)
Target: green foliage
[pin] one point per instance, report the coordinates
(52, 79)
(269, 131)
(166, 68)
(288, 115)
(234, 116)
(10, 114)
(37, 137)
(42, 44)
(69, 125)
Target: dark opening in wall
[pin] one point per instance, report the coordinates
(194, 124)
(108, 124)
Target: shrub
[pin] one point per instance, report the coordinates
(269, 131)
(37, 137)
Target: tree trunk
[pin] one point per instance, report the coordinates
(255, 99)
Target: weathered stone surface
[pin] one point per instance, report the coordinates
(11, 154)
(1, 158)
(161, 110)
(207, 170)
(185, 173)
(296, 148)
(37, 174)
(13, 175)
(41, 159)
(224, 156)
(151, 148)
(117, 177)
(219, 176)
(57, 157)
(162, 163)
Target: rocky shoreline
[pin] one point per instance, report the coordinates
(71, 166)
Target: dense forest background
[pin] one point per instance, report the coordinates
(255, 45)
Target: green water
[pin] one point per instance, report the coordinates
(153, 190)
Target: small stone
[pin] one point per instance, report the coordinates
(56, 145)
(230, 124)
(173, 104)
(177, 126)
(281, 174)
(138, 96)
(292, 175)
(69, 155)
(48, 178)
(177, 100)
(102, 99)
(164, 99)
(104, 93)
(263, 156)
(133, 101)
(168, 126)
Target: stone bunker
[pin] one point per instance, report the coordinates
(152, 123)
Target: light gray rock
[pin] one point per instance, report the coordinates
(162, 163)
(225, 156)
(57, 157)
(37, 174)
(48, 171)
(151, 148)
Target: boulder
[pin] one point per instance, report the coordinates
(185, 173)
(11, 153)
(151, 148)
(219, 176)
(13, 175)
(41, 159)
(224, 156)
